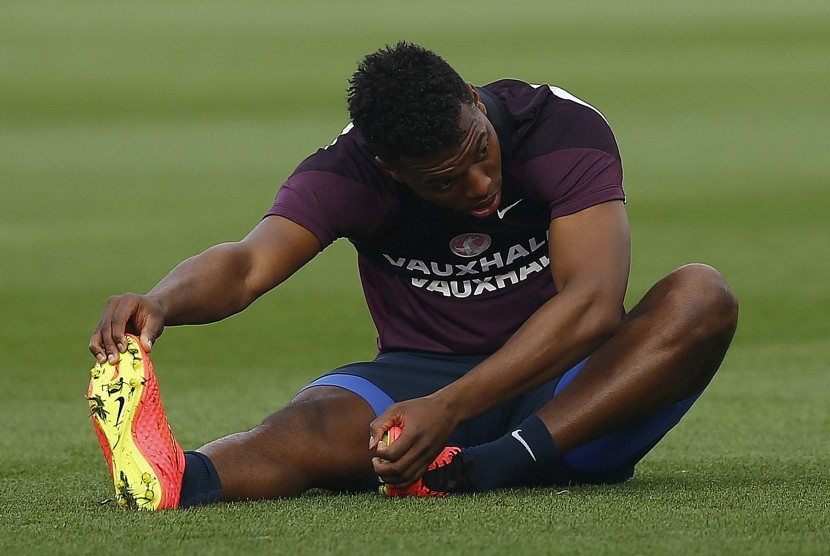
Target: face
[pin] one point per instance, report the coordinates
(466, 178)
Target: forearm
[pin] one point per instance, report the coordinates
(561, 333)
(206, 288)
(589, 260)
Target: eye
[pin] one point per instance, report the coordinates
(482, 152)
(444, 186)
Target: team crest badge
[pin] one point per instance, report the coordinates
(470, 245)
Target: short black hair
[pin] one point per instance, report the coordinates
(406, 101)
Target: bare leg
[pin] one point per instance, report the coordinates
(668, 349)
(318, 440)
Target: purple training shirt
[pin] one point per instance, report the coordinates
(440, 281)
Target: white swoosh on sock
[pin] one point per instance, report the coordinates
(515, 434)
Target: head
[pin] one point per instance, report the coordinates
(427, 127)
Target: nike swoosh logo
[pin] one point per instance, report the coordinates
(503, 211)
(515, 434)
(120, 400)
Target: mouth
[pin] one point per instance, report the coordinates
(488, 206)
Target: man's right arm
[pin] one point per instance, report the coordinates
(208, 287)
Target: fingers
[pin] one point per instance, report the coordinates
(150, 331)
(402, 471)
(146, 342)
(128, 313)
(378, 428)
(96, 345)
(390, 421)
(425, 428)
(104, 344)
(403, 460)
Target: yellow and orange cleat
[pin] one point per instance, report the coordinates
(144, 459)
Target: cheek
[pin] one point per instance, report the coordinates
(494, 170)
(452, 199)
(494, 161)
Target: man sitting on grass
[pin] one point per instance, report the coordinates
(493, 249)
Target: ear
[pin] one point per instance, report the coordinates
(388, 168)
(476, 98)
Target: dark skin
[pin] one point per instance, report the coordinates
(667, 348)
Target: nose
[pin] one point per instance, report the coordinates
(478, 183)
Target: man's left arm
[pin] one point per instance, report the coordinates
(589, 260)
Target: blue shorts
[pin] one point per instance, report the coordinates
(398, 376)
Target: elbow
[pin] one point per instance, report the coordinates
(609, 325)
(601, 322)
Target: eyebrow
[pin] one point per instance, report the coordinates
(444, 178)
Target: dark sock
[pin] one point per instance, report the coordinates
(506, 460)
(200, 484)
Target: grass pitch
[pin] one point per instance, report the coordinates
(154, 130)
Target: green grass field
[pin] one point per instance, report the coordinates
(133, 135)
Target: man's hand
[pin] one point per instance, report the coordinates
(136, 314)
(426, 423)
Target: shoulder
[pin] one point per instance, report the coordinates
(546, 118)
(347, 156)
(561, 149)
(339, 191)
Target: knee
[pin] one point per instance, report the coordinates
(323, 420)
(706, 299)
